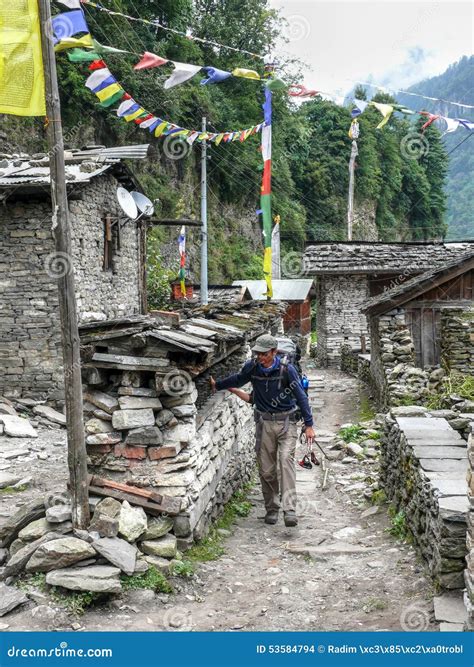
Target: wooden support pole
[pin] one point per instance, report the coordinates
(63, 271)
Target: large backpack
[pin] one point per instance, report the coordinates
(289, 353)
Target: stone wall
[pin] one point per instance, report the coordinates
(338, 318)
(143, 433)
(30, 351)
(396, 378)
(469, 571)
(457, 340)
(423, 472)
(108, 294)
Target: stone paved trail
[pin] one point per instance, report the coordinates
(338, 570)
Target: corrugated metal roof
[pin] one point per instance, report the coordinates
(40, 175)
(27, 174)
(283, 290)
(134, 152)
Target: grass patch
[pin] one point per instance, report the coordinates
(182, 568)
(398, 525)
(374, 604)
(16, 489)
(211, 548)
(351, 433)
(366, 409)
(76, 602)
(152, 579)
(378, 497)
(406, 400)
(28, 581)
(455, 383)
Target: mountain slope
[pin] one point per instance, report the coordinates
(455, 84)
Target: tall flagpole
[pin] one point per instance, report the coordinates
(204, 295)
(77, 461)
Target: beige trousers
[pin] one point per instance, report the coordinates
(274, 441)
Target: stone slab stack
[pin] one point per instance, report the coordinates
(423, 473)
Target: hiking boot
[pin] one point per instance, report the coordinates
(271, 517)
(291, 519)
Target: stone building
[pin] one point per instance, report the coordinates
(349, 273)
(421, 329)
(108, 254)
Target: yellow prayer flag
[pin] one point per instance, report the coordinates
(246, 73)
(106, 93)
(161, 128)
(134, 115)
(386, 110)
(73, 42)
(22, 90)
(267, 271)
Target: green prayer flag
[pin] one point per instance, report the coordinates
(82, 56)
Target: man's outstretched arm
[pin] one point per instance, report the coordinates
(235, 380)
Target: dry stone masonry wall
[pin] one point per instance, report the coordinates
(144, 435)
(423, 472)
(457, 340)
(469, 571)
(338, 318)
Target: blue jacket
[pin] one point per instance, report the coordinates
(267, 395)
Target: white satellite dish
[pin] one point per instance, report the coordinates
(144, 205)
(127, 203)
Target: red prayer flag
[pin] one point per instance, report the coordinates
(150, 60)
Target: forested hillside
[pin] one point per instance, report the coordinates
(311, 147)
(455, 84)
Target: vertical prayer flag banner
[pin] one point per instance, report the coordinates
(266, 192)
(182, 259)
(22, 91)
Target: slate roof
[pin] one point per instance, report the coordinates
(408, 290)
(379, 258)
(204, 336)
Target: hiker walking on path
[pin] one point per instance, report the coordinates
(277, 394)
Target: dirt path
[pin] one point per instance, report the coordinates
(338, 570)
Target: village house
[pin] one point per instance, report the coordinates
(348, 274)
(296, 294)
(108, 254)
(421, 329)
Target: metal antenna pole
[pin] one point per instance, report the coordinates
(204, 293)
(77, 458)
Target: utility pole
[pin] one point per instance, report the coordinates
(204, 295)
(77, 461)
(350, 203)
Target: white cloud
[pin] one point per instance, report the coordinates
(394, 44)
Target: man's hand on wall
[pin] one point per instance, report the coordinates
(212, 382)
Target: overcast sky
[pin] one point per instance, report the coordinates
(394, 44)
